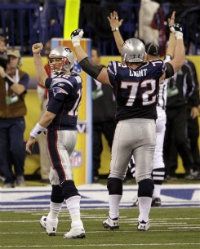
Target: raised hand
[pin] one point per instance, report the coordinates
(76, 36)
(37, 48)
(114, 21)
(171, 20)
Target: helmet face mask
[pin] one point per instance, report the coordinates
(61, 60)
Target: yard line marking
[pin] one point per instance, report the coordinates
(99, 245)
(94, 232)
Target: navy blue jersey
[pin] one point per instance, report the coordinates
(136, 89)
(64, 98)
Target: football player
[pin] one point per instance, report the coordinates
(59, 122)
(152, 51)
(135, 84)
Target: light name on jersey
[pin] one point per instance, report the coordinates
(139, 73)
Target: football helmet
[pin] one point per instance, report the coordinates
(61, 59)
(133, 50)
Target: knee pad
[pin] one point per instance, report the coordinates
(69, 189)
(114, 186)
(158, 175)
(56, 194)
(145, 188)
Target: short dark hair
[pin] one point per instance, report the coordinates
(97, 50)
(152, 49)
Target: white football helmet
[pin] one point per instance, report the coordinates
(61, 59)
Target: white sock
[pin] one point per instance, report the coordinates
(157, 190)
(114, 201)
(144, 208)
(54, 210)
(73, 206)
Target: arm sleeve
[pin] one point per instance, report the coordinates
(60, 93)
(48, 82)
(54, 105)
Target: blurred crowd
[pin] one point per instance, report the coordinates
(143, 18)
(183, 106)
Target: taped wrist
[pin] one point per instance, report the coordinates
(169, 70)
(37, 130)
(178, 35)
(89, 68)
(76, 41)
(9, 80)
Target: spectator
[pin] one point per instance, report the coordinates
(103, 116)
(193, 125)
(3, 52)
(147, 11)
(13, 85)
(42, 94)
(180, 92)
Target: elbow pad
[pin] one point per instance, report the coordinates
(89, 68)
(169, 70)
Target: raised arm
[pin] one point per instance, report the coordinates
(176, 49)
(179, 51)
(172, 39)
(95, 71)
(40, 71)
(115, 23)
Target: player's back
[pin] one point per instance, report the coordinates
(136, 89)
(67, 91)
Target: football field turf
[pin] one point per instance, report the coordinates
(176, 228)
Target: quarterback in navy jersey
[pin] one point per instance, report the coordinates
(59, 122)
(135, 84)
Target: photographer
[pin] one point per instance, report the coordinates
(13, 85)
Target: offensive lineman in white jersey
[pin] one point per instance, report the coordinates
(152, 50)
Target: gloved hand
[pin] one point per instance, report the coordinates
(177, 30)
(76, 36)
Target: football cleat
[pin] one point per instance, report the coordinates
(156, 202)
(143, 226)
(49, 225)
(75, 233)
(111, 224)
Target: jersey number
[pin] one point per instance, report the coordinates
(146, 98)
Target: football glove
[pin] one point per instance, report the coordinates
(76, 36)
(177, 30)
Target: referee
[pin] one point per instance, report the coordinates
(181, 90)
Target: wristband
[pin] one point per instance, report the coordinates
(178, 35)
(76, 41)
(115, 29)
(9, 80)
(37, 130)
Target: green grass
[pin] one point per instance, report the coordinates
(170, 228)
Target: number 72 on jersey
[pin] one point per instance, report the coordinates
(147, 87)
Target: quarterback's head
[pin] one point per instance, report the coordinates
(133, 51)
(61, 60)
